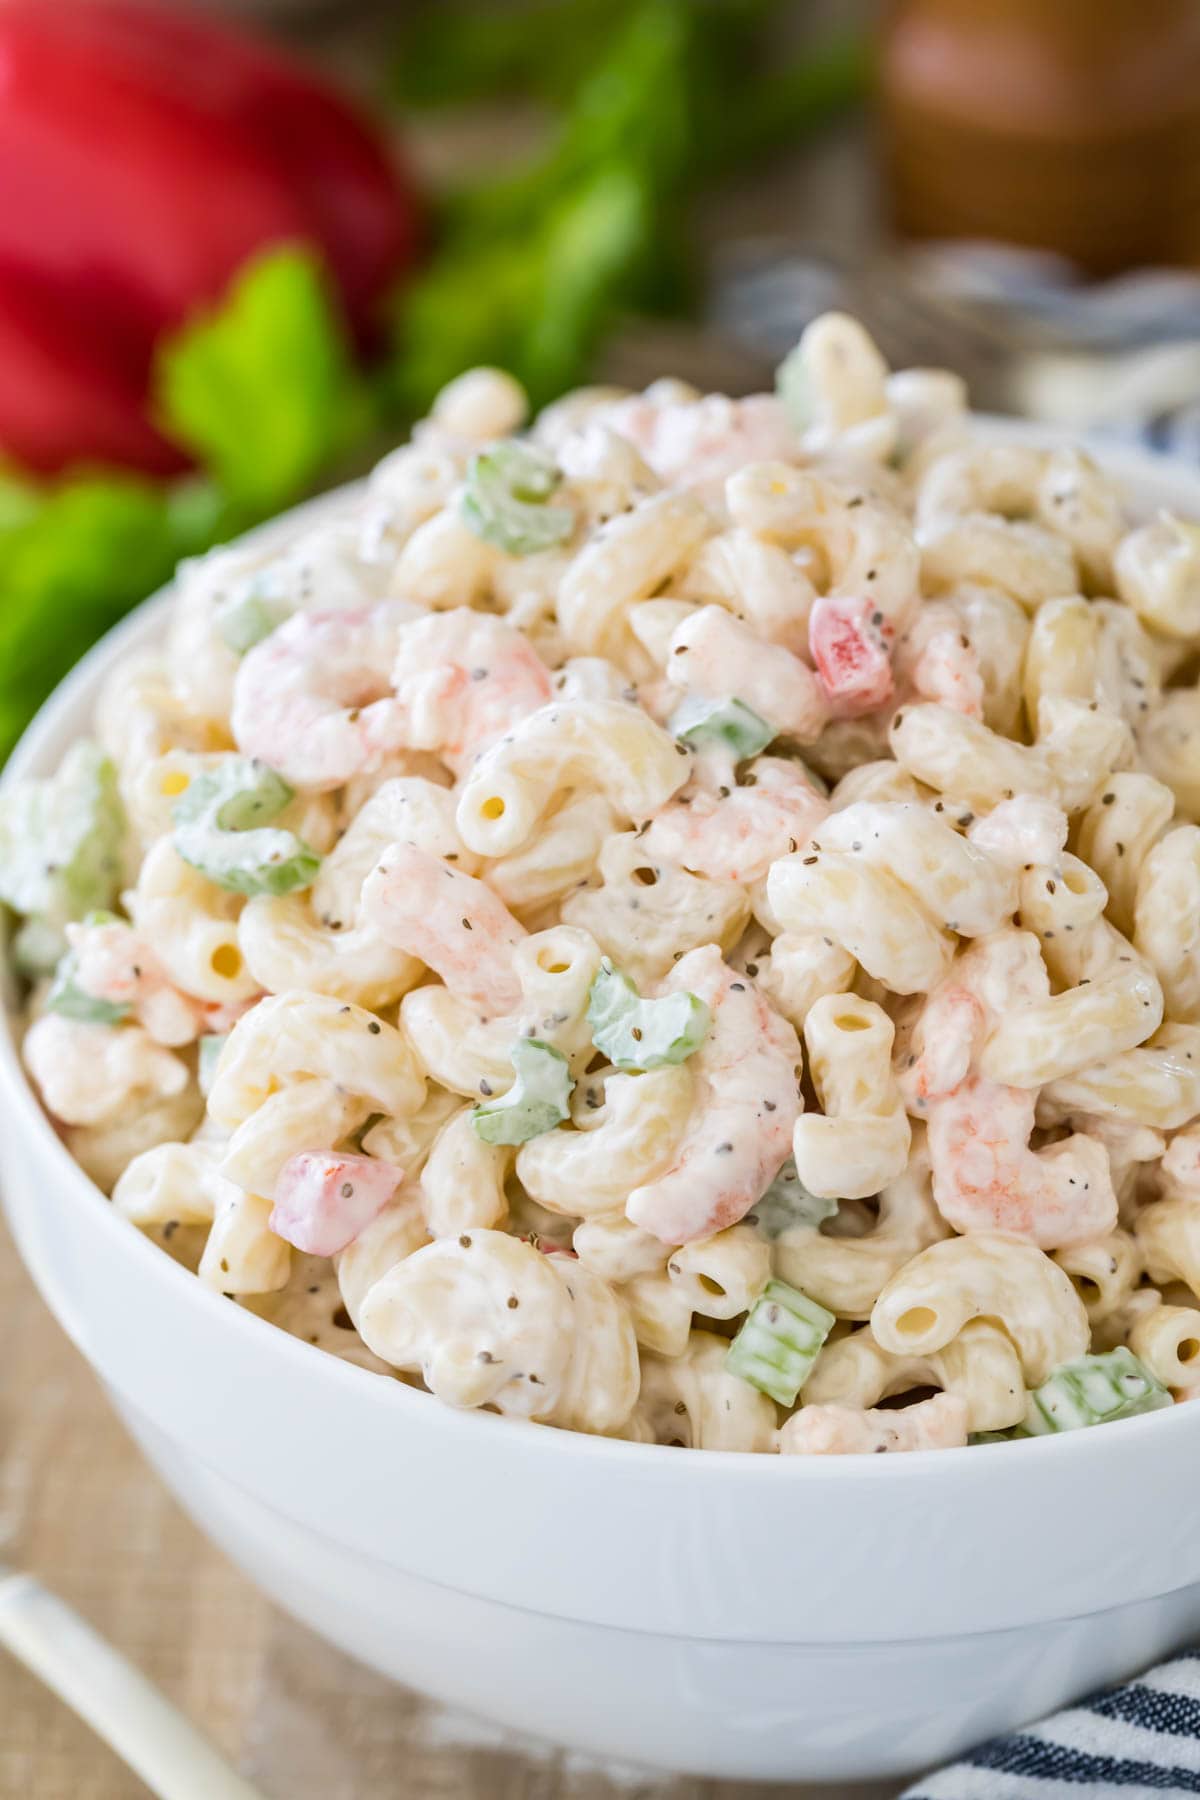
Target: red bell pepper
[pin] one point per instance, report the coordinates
(145, 153)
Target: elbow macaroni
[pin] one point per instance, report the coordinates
(549, 723)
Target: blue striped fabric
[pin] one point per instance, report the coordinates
(1142, 1739)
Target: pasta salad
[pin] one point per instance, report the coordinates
(678, 920)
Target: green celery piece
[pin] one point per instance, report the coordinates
(787, 1205)
(73, 1002)
(221, 829)
(505, 499)
(1094, 1390)
(997, 1437)
(780, 1339)
(536, 1101)
(262, 388)
(246, 619)
(209, 1051)
(60, 851)
(637, 1034)
(702, 723)
(793, 384)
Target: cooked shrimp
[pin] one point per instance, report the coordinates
(450, 921)
(945, 1040)
(747, 1101)
(464, 679)
(697, 440)
(986, 1177)
(314, 700)
(737, 833)
(116, 963)
(937, 1424)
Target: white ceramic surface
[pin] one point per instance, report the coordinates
(786, 1618)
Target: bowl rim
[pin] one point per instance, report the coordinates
(30, 757)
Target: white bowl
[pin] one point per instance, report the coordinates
(716, 1613)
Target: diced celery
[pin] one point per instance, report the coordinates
(247, 618)
(536, 1101)
(73, 1002)
(637, 1034)
(728, 724)
(793, 384)
(67, 997)
(779, 1341)
(208, 1055)
(220, 828)
(787, 1203)
(60, 851)
(505, 499)
(1094, 1390)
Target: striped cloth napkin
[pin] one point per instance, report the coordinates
(1120, 357)
(1137, 1742)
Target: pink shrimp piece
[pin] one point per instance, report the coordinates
(947, 670)
(986, 1177)
(456, 925)
(738, 835)
(936, 1424)
(114, 962)
(714, 653)
(465, 679)
(698, 442)
(314, 700)
(324, 1199)
(848, 639)
(947, 1033)
(745, 1104)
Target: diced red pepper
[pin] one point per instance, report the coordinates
(323, 1199)
(848, 641)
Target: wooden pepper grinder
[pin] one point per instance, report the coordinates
(1070, 125)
